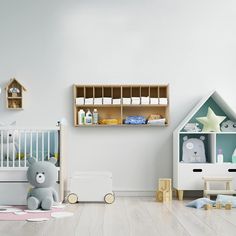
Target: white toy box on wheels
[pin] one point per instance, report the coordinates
(91, 187)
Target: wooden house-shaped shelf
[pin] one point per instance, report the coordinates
(188, 175)
(14, 95)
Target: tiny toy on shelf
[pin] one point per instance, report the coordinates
(192, 127)
(211, 123)
(109, 122)
(135, 120)
(193, 150)
(164, 193)
(15, 92)
(156, 119)
(228, 126)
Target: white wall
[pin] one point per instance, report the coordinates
(49, 45)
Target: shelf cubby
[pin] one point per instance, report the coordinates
(209, 145)
(107, 91)
(145, 91)
(226, 142)
(163, 92)
(98, 92)
(80, 91)
(89, 92)
(135, 91)
(126, 91)
(154, 92)
(116, 92)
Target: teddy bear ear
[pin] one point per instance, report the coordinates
(185, 138)
(31, 160)
(202, 138)
(53, 160)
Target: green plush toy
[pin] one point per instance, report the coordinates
(211, 122)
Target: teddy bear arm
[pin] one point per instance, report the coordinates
(55, 195)
(29, 194)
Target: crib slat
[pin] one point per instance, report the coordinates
(48, 145)
(19, 149)
(7, 148)
(31, 143)
(25, 149)
(37, 145)
(13, 151)
(42, 146)
(1, 143)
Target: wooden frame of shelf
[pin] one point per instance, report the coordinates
(96, 94)
(14, 95)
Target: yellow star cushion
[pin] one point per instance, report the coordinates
(211, 122)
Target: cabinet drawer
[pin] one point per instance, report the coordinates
(190, 175)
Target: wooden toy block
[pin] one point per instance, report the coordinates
(159, 196)
(164, 184)
(218, 205)
(207, 206)
(164, 193)
(228, 206)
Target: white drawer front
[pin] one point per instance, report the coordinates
(190, 175)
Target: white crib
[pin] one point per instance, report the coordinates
(16, 145)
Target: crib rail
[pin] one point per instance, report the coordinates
(18, 144)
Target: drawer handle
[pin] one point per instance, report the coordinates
(231, 170)
(197, 170)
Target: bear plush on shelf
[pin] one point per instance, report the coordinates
(194, 150)
(42, 176)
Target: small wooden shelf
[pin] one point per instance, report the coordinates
(126, 100)
(121, 125)
(14, 95)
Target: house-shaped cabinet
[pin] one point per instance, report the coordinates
(14, 95)
(188, 175)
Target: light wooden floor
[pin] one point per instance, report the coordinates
(130, 216)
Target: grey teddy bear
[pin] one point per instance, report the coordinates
(41, 175)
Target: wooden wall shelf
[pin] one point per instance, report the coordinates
(120, 101)
(14, 95)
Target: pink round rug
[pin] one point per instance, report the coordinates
(11, 216)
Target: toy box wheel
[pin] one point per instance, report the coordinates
(72, 198)
(109, 198)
